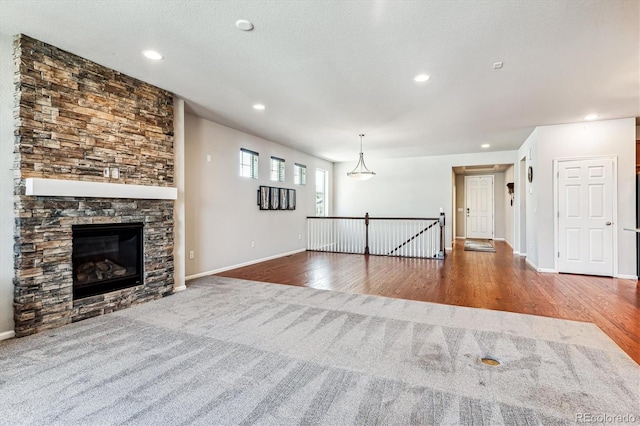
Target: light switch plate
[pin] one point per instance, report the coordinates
(115, 173)
(105, 172)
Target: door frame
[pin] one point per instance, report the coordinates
(493, 204)
(556, 205)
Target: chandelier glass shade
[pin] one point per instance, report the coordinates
(361, 172)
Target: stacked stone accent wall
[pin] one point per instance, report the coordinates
(73, 119)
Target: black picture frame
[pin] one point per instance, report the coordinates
(292, 199)
(272, 198)
(263, 197)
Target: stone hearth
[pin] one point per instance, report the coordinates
(73, 119)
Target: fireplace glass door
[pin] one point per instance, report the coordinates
(106, 258)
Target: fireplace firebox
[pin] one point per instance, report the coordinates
(106, 258)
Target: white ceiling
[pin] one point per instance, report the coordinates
(329, 70)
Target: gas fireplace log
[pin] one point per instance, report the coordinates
(98, 271)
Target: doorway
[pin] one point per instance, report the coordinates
(585, 215)
(479, 206)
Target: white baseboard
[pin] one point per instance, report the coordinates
(240, 265)
(460, 238)
(7, 335)
(547, 271)
(627, 277)
(498, 239)
(448, 248)
(179, 288)
(520, 254)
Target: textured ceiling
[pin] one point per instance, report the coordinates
(329, 70)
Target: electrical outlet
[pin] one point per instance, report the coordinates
(192, 254)
(208, 158)
(299, 236)
(105, 172)
(115, 173)
(253, 244)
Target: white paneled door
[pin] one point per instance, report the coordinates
(585, 216)
(479, 206)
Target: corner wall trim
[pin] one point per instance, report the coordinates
(627, 277)
(179, 288)
(7, 335)
(240, 265)
(547, 271)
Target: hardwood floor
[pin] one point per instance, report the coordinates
(498, 281)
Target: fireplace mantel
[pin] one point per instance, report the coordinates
(75, 188)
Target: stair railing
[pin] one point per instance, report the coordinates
(384, 236)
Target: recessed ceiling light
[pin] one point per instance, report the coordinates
(259, 107)
(590, 117)
(421, 78)
(497, 65)
(244, 25)
(485, 145)
(153, 55)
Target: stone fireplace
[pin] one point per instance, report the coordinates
(79, 123)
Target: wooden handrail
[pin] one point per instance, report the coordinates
(373, 218)
(336, 217)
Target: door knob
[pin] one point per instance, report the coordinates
(608, 223)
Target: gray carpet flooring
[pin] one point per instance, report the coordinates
(229, 352)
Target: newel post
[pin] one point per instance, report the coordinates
(441, 253)
(366, 233)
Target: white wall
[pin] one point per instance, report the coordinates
(6, 186)
(222, 215)
(179, 219)
(460, 215)
(528, 198)
(611, 137)
(509, 210)
(410, 187)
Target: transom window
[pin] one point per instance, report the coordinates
(299, 174)
(277, 169)
(248, 163)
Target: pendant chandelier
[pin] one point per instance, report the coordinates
(361, 172)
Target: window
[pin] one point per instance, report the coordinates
(248, 163)
(299, 174)
(321, 193)
(277, 169)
